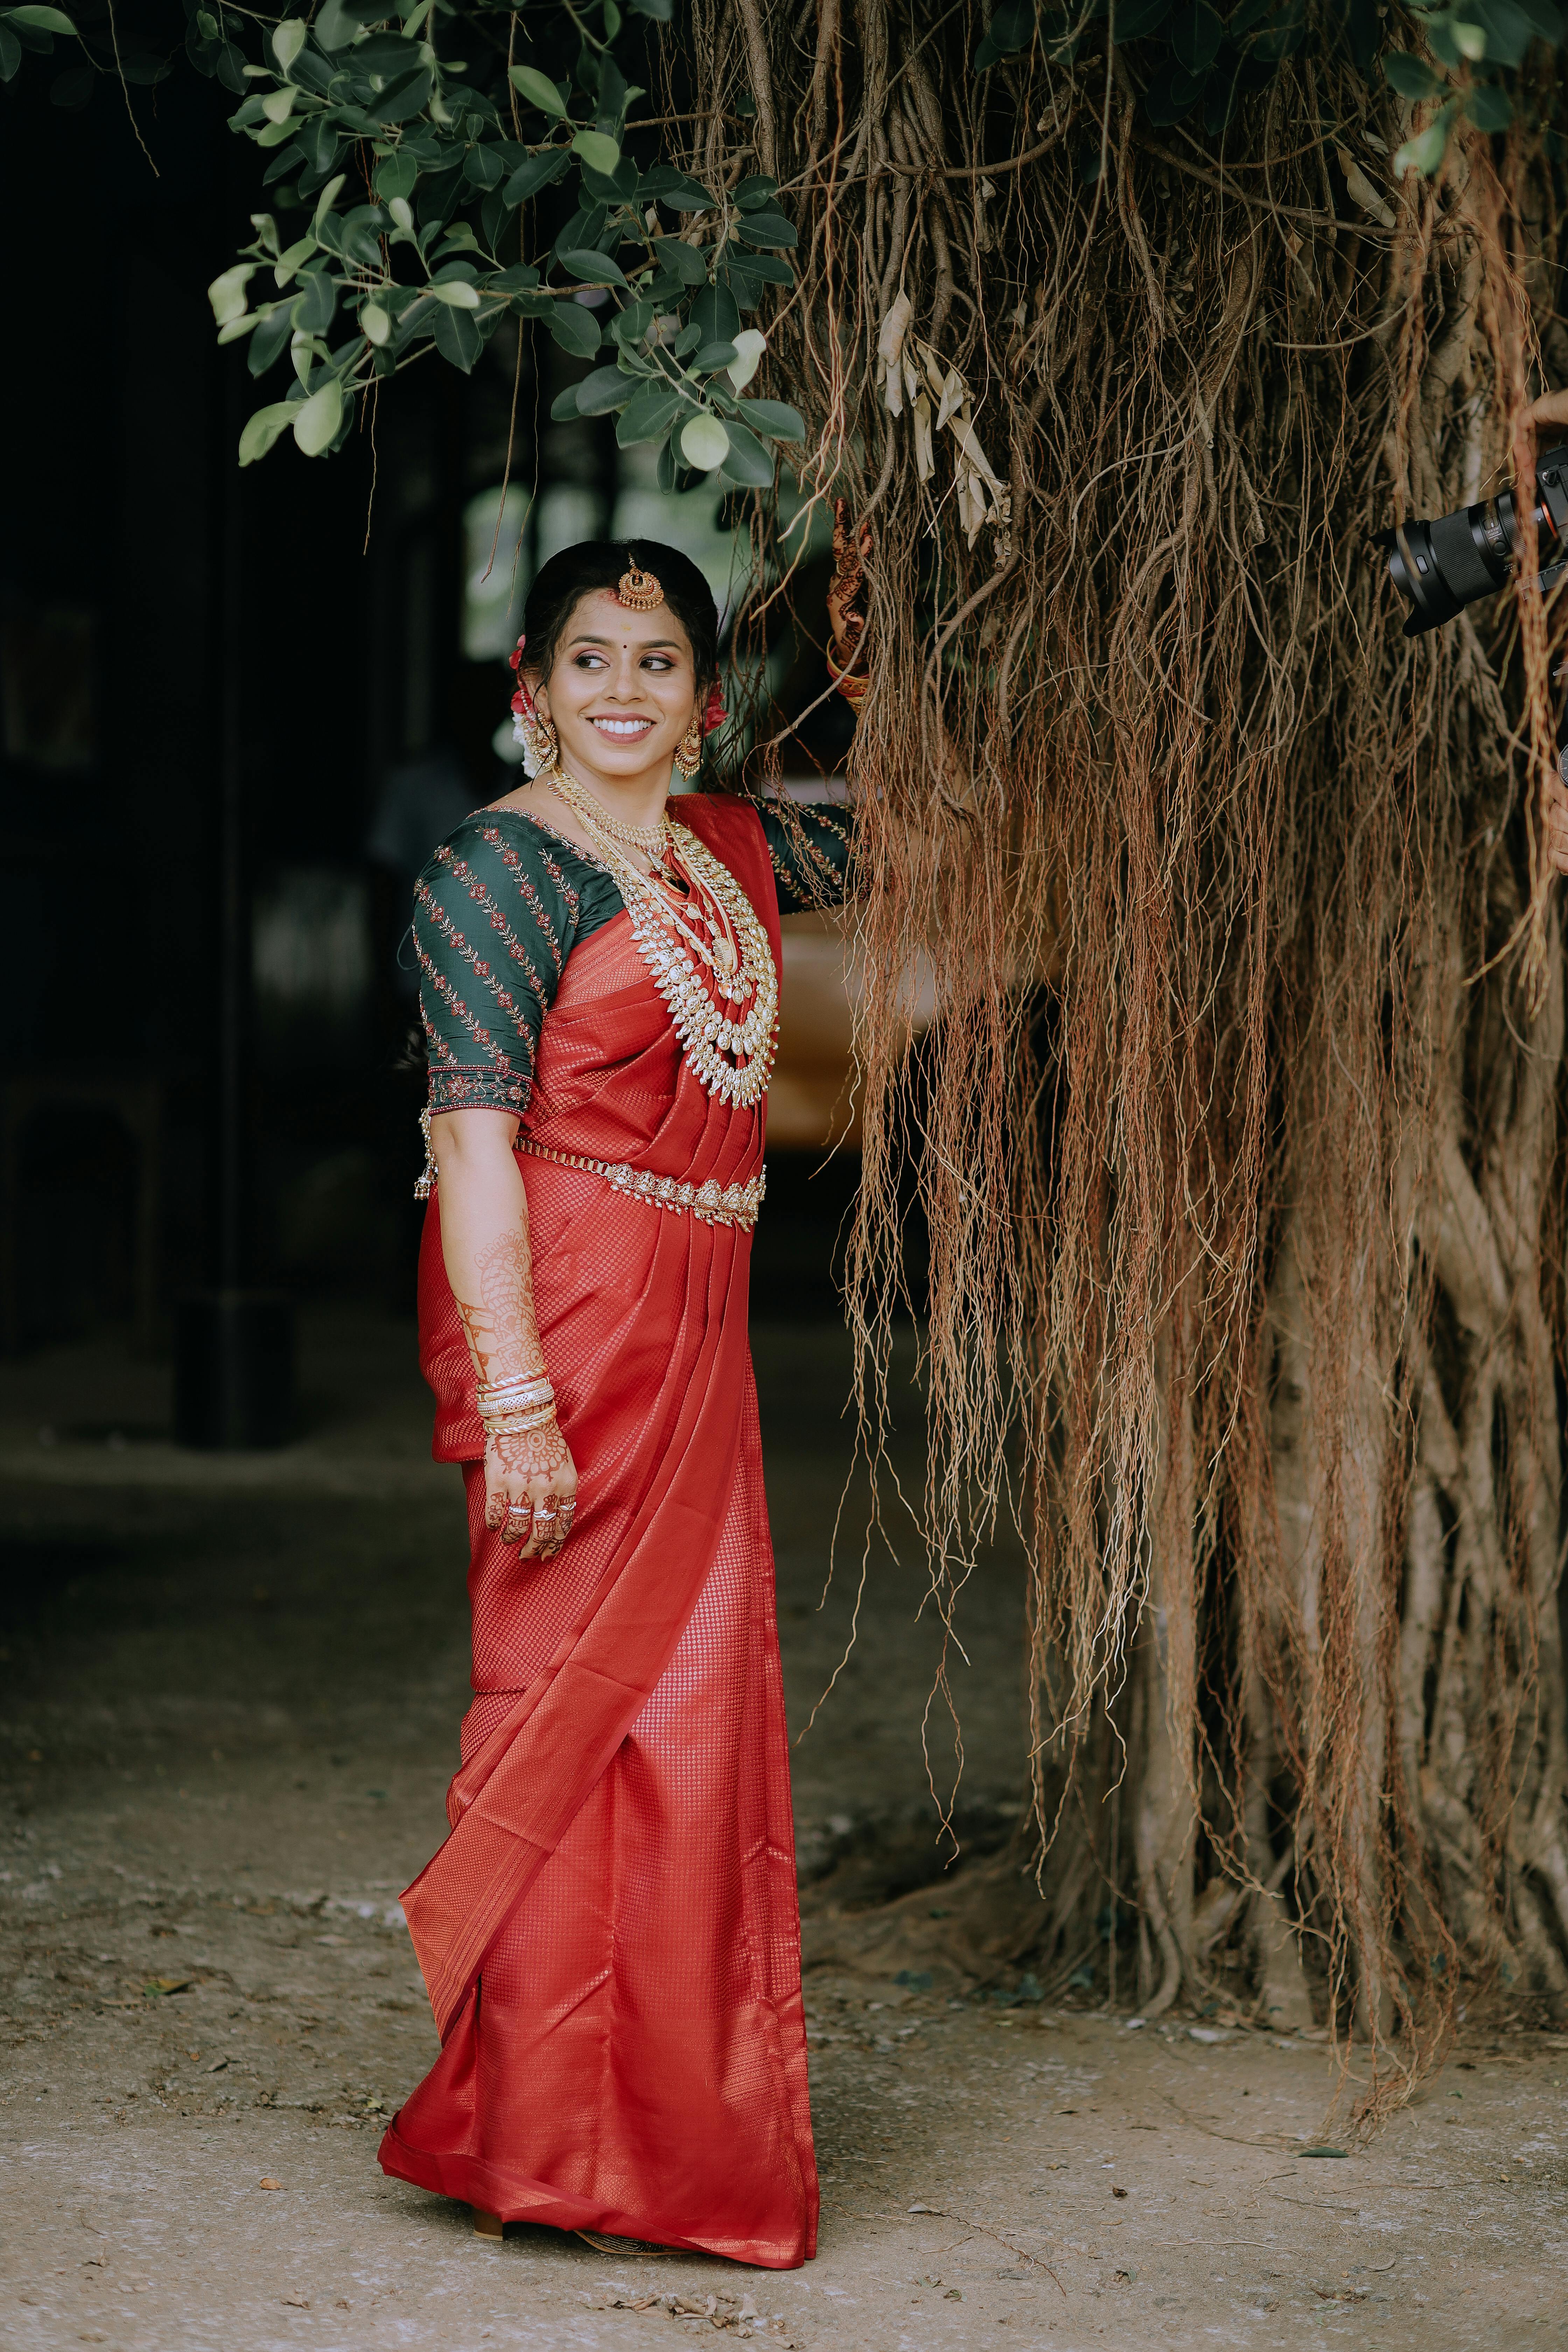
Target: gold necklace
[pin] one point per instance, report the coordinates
(731, 1051)
(650, 839)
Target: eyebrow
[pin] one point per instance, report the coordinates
(651, 645)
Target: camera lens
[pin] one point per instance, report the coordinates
(1439, 567)
(1414, 568)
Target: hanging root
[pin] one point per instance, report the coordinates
(1238, 1135)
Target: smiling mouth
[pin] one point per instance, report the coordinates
(623, 730)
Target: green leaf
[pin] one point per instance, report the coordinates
(682, 262)
(287, 40)
(539, 89)
(715, 309)
(518, 280)
(40, 20)
(617, 187)
(705, 443)
(748, 462)
(361, 235)
(263, 429)
(458, 337)
(396, 175)
(270, 339)
(1133, 20)
(607, 389)
(661, 11)
(1546, 18)
(773, 419)
(456, 293)
(536, 173)
(237, 329)
(632, 324)
(1172, 93)
(576, 329)
(1489, 108)
(593, 269)
(375, 324)
(750, 346)
(288, 159)
(316, 420)
(1195, 37)
(750, 195)
(664, 185)
(598, 148)
(712, 357)
(759, 269)
(404, 98)
(1012, 27)
(563, 407)
(1411, 77)
(1425, 153)
(649, 414)
(226, 293)
(1508, 30)
(10, 54)
(765, 228)
(482, 167)
(315, 302)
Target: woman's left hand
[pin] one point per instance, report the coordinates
(846, 623)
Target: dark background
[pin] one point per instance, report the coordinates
(342, 604)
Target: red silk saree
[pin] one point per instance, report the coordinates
(610, 1932)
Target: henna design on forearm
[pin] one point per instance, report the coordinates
(503, 1331)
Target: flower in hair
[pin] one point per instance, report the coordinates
(714, 713)
(515, 660)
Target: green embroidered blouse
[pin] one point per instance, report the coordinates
(499, 908)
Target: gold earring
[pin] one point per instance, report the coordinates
(538, 741)
(688, 750)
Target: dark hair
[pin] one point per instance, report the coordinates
(594, 564)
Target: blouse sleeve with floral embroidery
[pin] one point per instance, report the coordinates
(496, 913)
(811, 844)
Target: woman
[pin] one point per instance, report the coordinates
(610, 1934)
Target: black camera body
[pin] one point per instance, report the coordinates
(1440, 567)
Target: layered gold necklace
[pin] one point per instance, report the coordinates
(701, 937)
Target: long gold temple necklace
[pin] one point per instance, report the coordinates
(700, 943)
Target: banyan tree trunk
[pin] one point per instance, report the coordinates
(1239, 1135)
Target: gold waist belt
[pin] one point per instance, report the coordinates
(713, 1204)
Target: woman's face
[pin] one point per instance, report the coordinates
(623, 690)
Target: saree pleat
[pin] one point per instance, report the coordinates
(609, 1934)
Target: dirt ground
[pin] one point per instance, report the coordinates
(232, 1692)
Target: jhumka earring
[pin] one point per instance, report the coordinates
(688, 750)
(541, 749)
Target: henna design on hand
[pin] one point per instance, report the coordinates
(528, 1453)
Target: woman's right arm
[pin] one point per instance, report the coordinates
(492, 931)
(531, 1479)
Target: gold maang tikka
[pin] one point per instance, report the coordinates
(639, 590)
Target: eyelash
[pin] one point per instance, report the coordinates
(660, 663)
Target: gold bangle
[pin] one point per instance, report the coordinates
(518, 1424)
(853, 685)
(507, 1396)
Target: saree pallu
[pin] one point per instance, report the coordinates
(610, 1933)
